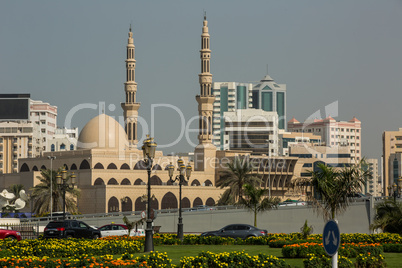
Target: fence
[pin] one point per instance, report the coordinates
(27, 230)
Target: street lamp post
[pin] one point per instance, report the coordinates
(397, 189)
(51, 183)
(64, 184)
(148, 150)
(184, 171)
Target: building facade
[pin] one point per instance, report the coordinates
(391, 155)
(373, 185)
(251, 130)
(287, 139)
(333, 133)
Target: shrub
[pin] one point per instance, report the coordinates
(368, 261)
(397, 248)
(322, 261)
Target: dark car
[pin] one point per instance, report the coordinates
(70, 229)
(10, 234)
(237, 231)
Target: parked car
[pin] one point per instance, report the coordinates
(291, 203)
(201, 207)
(119, 229)
(237, 231)
(11, 234)
(70, 229)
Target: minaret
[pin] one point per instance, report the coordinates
(130, 107)
(205, 104)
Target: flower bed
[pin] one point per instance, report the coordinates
(350, 250)
(232, 259)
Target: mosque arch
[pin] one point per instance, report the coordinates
(195, 183)
(35, 168)
(210, 202)
(157, 167)
(112, 181)
(99, 181)
(98, 166)
(185, 203)
(73, 167)
(140, 165)
(24, 168)
(111, 166)
(43, 167)
(139, 205)
(126, 204)
(125, 166)
(125, 182)
(197, 202)
(208, 183)
(113, 205)
(169, 200)
(154, 204)
(85, 164)
(65, 166)
(169, 182)
(138, 181)
(155, 180)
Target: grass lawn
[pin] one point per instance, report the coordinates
(176, 252)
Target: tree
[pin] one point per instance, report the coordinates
(41, 194)
(388, 217)
(15, 189)
(237, 173)
(334, 188)
(256, 200)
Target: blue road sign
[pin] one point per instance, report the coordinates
(331, 237)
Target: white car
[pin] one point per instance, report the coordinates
(292, 203)
(119, 230)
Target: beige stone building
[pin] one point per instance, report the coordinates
(392, 150)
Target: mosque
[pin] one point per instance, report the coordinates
(110, 170)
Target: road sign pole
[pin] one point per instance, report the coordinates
(335, 260)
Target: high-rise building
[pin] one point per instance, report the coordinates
(270, 96)
(392, 150)
(373, 184)
(252, 130)
(229, 97)
(333, 133)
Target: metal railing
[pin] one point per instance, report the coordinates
(27, 230)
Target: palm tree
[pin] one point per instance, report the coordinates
(237, 173)
(333, 188)
(41, 194)
(388, 217)
(256, 201)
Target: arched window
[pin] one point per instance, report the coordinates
(125, 166)
(195, 183)
(71, 147)
(197, 202)
(65, 166)
(99, 181)
(210, 202)
(208, 183)
(43, 167)
(169, 200)
(125, 182)
(126, 204)
(52, 148)
(113, 205)
(35, 168)
(73, 167)
(84, 164)
(112, 181)
(140, 165)
(98, 166)
(139, 205)
(185, 203)
(138, 182)
(24, 168)
(62, 146)
(111, 166)
(157, 167)
(155, 180)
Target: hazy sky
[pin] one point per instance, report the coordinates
(69, 53)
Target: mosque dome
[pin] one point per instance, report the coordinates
(103, 132)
